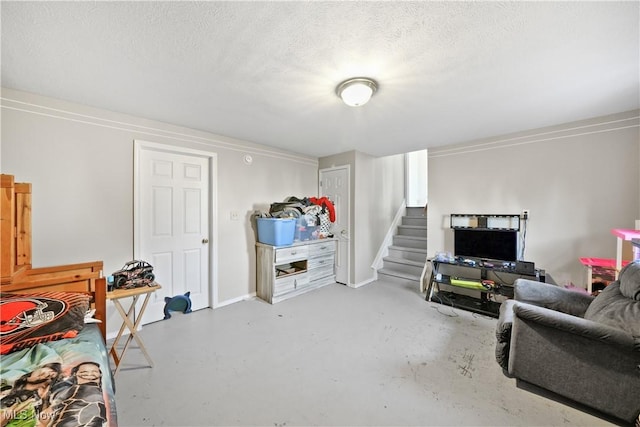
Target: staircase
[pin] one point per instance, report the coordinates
(408, 253)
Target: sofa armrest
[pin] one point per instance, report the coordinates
(594, 364)
(552, 297)
(576, 325)
(503, 333)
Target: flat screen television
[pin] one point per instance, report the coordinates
(486, 244)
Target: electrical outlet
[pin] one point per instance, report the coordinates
(525, 213)
(235, 215)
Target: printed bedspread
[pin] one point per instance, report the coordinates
(61, 383)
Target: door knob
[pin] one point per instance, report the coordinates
(205, 241)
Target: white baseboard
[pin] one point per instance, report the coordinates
(235, 300)
(113, 335)
(365, 282)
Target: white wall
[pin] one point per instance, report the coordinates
(80, 163)
(579, 180)
(377, 191)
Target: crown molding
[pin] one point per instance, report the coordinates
(605, 124)
(126, 123)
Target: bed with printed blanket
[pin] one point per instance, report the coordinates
(54, 366)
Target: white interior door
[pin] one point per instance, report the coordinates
(334, 184)
(172, 224)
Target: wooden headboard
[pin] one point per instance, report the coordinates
(84, 277)
(16, 272)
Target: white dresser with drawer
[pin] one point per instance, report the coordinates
(287, 271)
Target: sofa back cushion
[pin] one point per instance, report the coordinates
(629, 278)
(612, 308)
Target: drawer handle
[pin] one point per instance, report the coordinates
(321, 262)
(295, 284)
(294, 252)
(323, 247)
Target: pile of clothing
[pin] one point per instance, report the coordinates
(316, 213)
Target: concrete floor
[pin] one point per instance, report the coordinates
(377, 355)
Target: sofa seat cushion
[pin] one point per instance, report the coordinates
(612, 308)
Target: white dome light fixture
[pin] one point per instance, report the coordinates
(357, 91)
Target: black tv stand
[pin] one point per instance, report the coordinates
(465, 302)
(475, 285)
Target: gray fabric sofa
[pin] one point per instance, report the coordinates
(581, 347)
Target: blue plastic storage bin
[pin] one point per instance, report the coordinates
(276, 231)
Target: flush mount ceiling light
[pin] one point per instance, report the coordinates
(356, 92)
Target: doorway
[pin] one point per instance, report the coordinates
(416, 178)
(173, 214)
(335, 184)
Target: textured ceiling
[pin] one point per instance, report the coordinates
(266, 72)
